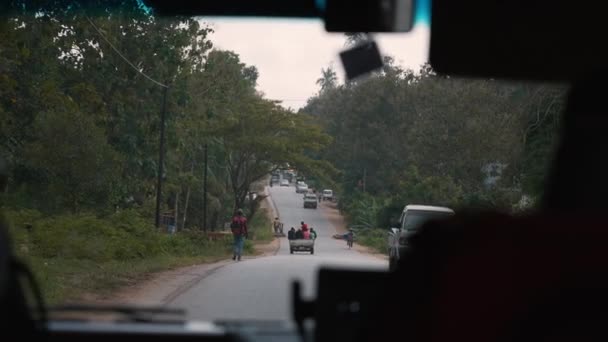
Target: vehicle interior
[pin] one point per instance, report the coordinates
(482, 274)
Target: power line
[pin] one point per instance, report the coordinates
(122, 56)
(161, 156)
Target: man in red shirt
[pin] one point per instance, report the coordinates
(239, 232)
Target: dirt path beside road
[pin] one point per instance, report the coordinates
(160, 288)
(331, 212)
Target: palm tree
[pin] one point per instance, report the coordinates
(328, 79)
(356, 38)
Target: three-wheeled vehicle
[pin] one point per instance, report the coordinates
(302, 245)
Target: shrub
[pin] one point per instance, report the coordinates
(374, 238)
(121, 237)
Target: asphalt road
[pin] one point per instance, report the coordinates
(260, 288)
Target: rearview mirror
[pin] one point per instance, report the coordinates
(369, 15)
(339, 15)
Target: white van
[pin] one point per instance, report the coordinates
(412, 217)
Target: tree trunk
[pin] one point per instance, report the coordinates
(186, 207)
(254, 205)
(187, 200)
(176, 217)
(239, 201)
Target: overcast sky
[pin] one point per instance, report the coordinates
(289, 54)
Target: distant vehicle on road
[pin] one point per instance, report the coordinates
(284, 182)
(302, 245)
(412, 217)
(302, 188)
(328, 195)
(310, 201)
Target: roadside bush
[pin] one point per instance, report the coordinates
(375, 238)
(260, 227)
(121, 236)
(194, 243)
(18, 222)
(83, 237)
(143, 238)
(363, 209)
(429, 190)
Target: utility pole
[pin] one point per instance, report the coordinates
(364, 178)
(161, 156)
(205, 190)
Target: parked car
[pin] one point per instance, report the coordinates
(328, 195)
(310, 201)
(412, 217)
(284, 182)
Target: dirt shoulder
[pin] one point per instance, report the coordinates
(267, 249)
(272, 247)
(161, 288)
(331, 212)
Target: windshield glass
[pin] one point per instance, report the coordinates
(416, 218)
(135, 142)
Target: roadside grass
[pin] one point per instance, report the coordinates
(261, 227)
(80, 254)
(373, 238)
(68, 280)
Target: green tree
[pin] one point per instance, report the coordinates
(77, 163)
(451, 130)
(328, 79)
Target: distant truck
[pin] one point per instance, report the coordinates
(328, 195)
(301, 188)
(310, 201)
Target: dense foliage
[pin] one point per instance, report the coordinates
(402, 137)
(81, 95)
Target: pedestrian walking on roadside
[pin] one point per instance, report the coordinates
(239, 233)
(277, 226)
(350, 237)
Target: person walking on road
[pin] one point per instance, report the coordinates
(350, 237)
(277, 226)
(239, 232)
